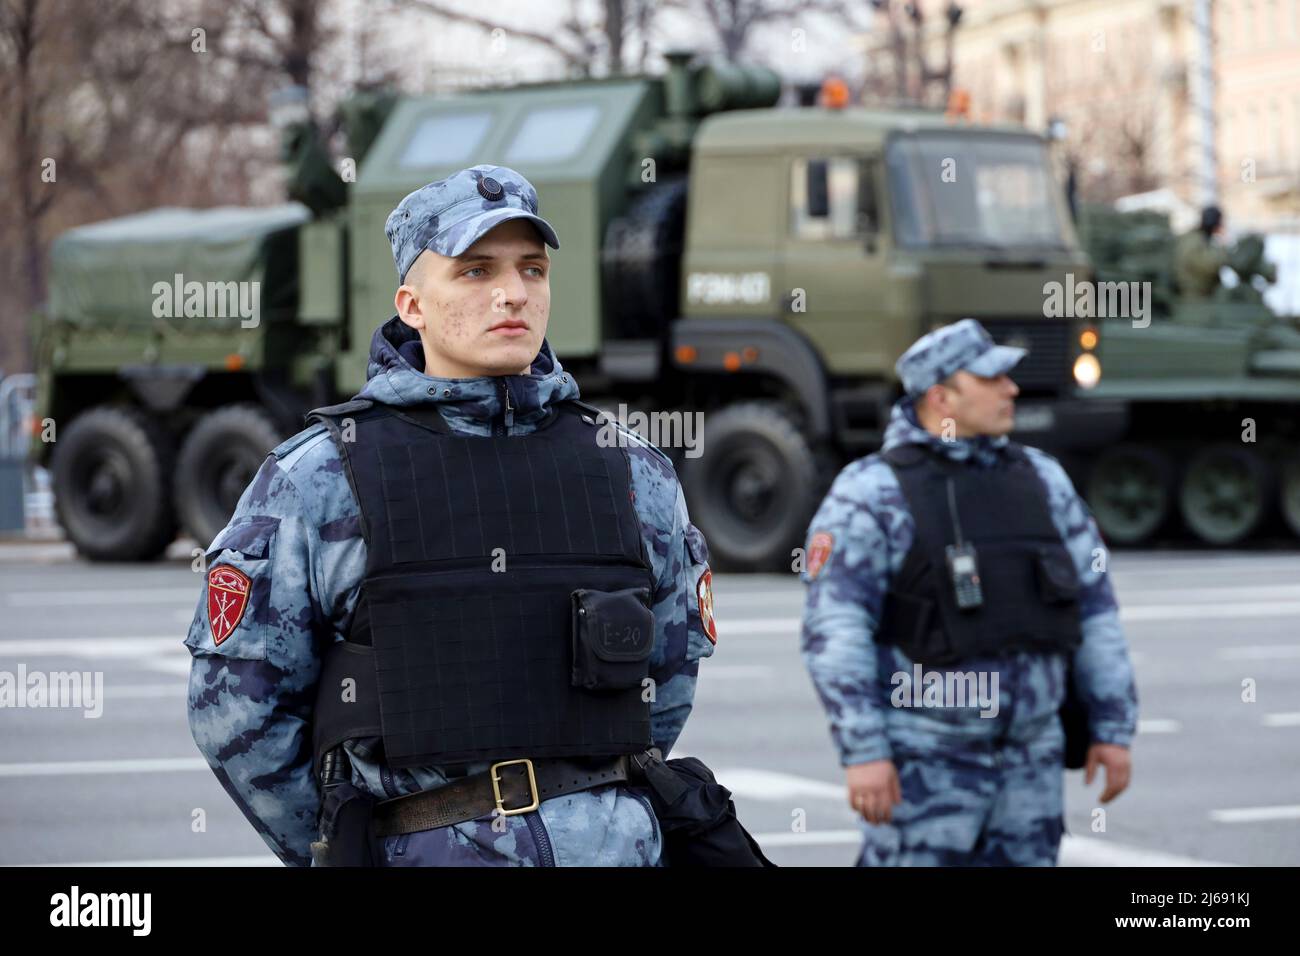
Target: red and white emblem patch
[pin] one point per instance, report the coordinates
(704, 591)
(819, 551)
(228, 590)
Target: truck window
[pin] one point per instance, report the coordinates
(445, 139)
(552, 135)
(972, 189)
(831, 198)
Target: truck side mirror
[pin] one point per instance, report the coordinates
(818, 192)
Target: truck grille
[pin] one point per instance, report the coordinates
(1046, 369)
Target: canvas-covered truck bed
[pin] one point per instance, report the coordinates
(124, 272)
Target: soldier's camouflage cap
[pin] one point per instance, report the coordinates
(963, 345)
(450, 215)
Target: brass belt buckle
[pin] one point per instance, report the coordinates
(532, 786)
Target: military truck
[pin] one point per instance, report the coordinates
(758, 264)
(1208, 390)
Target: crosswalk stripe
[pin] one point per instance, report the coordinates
(58, 768)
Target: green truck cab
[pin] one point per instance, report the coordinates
(758, 266)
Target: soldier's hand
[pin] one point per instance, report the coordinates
(873, 789)
(1118, 766)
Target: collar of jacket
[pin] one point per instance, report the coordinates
(905, 429)
(395, 376)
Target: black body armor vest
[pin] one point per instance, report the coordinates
(1029, 583)
(505, 610)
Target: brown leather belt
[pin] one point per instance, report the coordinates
(510, 786)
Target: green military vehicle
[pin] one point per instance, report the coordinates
(1209, 391)
(761, 265)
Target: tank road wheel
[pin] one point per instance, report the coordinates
(1289, 493)
(111, 474)
(1225, 493)
(755, 487)
(1129, 493)
(217, 461)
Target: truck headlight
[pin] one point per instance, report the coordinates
(1087, 370)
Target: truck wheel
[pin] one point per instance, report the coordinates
(217, 461)
(1130, 494)
(111, 474)
(1225, 493)
(641, 260)
(755, 487)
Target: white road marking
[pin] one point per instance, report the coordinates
(1200, 612)
(1156, 725)
(92, 646)
(771, 785)
(1282, 720)
(1260, 652)
(177, 665)
(56, 599)
(59, 768)
(1256, 814)
(144, 691)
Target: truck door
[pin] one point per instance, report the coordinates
(833, 263)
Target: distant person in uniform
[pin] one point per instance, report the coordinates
(955, 579)
(1198, 258)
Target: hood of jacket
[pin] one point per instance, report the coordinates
(395, 376)
(905, 429)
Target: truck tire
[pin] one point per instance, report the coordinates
(111, 476)
(755, 487)
(641, 261)
(217, 461)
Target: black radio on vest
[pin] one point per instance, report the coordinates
(963, 566)
(1021, 594)
(505, 610)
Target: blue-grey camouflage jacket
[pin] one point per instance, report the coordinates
(296, 536)
(870, 531)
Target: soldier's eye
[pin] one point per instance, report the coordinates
(478, 269)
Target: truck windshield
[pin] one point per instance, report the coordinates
(971, 189)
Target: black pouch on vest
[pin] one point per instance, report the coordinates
(613, 634)
(1058, 581)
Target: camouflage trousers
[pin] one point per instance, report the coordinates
(604, 826)
(974, 806)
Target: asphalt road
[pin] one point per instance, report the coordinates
(1216, 779)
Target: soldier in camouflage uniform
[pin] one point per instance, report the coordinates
(1198, 259)
(957, 785)
(296, 538)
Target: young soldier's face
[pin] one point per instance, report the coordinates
(976, 405)
(485, 311)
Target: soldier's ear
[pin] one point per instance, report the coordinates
(409, 308)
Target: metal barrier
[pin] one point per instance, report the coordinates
(17, 397)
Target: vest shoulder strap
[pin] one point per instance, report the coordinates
(333, 411)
